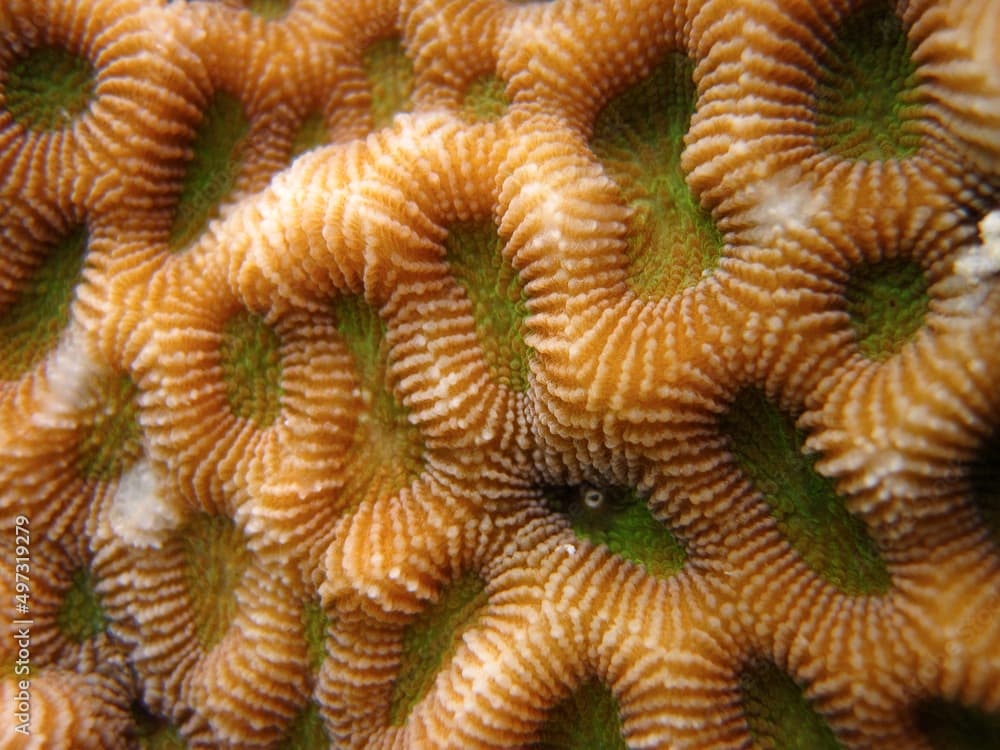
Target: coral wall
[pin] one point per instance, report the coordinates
(492, 374)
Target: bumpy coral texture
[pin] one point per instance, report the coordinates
(493, 374)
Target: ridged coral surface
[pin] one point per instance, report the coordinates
(493, 374)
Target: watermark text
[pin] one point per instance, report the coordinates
(21, 625)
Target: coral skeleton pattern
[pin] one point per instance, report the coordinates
(493, 374)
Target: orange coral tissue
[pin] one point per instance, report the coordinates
(493, 374)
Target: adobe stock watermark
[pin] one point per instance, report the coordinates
(21, 625)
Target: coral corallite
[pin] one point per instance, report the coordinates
(501, 374)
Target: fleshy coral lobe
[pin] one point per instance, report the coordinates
(446, 374)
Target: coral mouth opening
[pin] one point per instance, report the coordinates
(306, 731)
(485, 99)
(270, 9)
(390, 76)
(48, 87)
(80, 616)
(984, 475)
(769, 450)
(31, 323)
(432, 638)
(312, 132)
(218, 153)
(867, 98)
(619, 519)
(315, 624)
(215, 558)
(588, 718)
(951, 726)
(499, 304)
(887, 303)
(112, 441)
(639, 136)
(387, 450)
(251, 368)
(778, 713)
(155, 733)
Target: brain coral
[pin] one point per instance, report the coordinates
(492, 374)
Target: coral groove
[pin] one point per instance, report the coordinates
(490, 374)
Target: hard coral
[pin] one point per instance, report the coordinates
(500, 374)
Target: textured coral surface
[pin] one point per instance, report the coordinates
(493, 374)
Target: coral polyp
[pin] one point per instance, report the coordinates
(494, 374)
(48, 87)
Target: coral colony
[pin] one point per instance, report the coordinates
(493, 374)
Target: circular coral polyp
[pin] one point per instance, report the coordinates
(80, 617)
(111, 442)
(887, 303)
(387, 451)
(952, 726)
(306, 731)
(48, 87)
(431, 639)
(30, 324)
(390, 75)
(867, 99)
(485, 99)
(251, 368)
(588, 718)
(639, 137)
(618, 518)
(215, 558)
(779, 714)
(218, 150)
(499, 305)
(805, 505)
